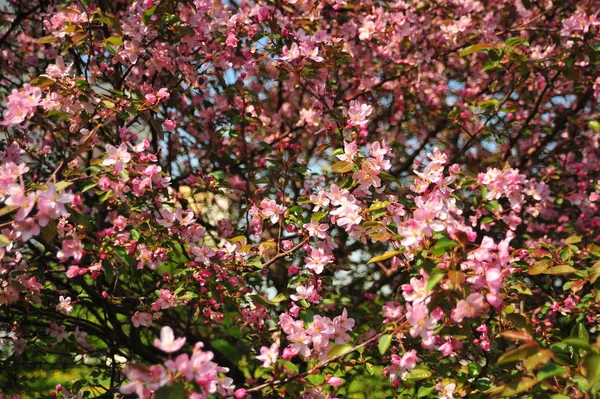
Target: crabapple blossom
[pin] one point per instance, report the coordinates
(343, 190)
(268, 355)
(167, 342)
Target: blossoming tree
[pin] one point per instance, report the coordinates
(307, 198)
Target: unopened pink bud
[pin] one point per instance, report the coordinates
(335, 381)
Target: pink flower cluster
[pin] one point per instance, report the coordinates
(51, 204)
(320, 336)
(199, 368)
(347, 211)
(487, 266)
(512, 185)
(21, 104)
(267, 209)
(401, 365)
(368, 175)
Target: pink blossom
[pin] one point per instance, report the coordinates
(167, 342)
(317, 260)
(75, 271)
(59, 69)
(318, 230)
(350, 150)
(469, 307)
(141, 319)
(18, 197)
(231, 41)
(51, 204)
(64, 305)
(290, 54)
(307, 293)
(163, 93)
(401, 365)
(58, 332)
(335, 381)
(170, 125)
(268, 355)
(448, 347)
(358, 113)
(445, 391)
(71, 249)
(421, 324)
(391, 312)
(271, 210)
(289, 353)
(117, 156)
(27, 228)
(311, 53)
(21, 105)
(202, 254)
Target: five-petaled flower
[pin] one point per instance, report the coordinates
(167, 342)
(268, 355)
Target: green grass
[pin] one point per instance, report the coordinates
(39, 383)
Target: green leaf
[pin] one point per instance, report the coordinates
(388, 177)
(591, 362)
(342, 167)
(171, 391)
(425, 390)
(61, 185)
(109, 272)
(442, 245)
(433, 281)
(4, 240)
(538, 267)
(226, 348)
(217, 174)
(418, 374)
(316, 379)
(378, 205)
(279, 298)
(519, 353)
(577, 343)
(573, 240)
(8, 209)
(387, 255)
(486, 220)
(594, 125)
(116, 40)
(518, 385)
(520, 321)
(561, 269)
(550, 370)
(260, 299)
(539, 358)
(340, 349)
(384, 343)
(88, 186)
(579, 331)
(291, 366)
(475, 48)
(317, 216)
(49, 231)
(42, 81)
(46, 39)
(147, 15)
(516, 41)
